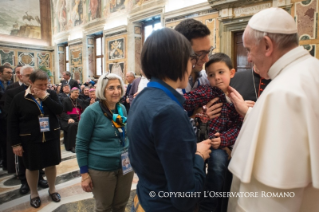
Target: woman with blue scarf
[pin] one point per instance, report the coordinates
(102, 145)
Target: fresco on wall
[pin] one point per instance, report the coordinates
(76, 56)
(77, 12)
(306, 18)
(116, 5)
(139, 2)
(117, 68)
(94, 9)
(26, 58)
(23, 20)
(62, 15)
(7, 57)
(116, 49)
(44, 59)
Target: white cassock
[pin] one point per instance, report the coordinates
(277, 149)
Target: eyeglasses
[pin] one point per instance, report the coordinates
(112, 88)
(203, 54)
(26, 75)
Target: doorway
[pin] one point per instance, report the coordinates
(240, 53)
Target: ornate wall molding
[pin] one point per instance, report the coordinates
(26, 46)
(142, 15)
(115, 31)
(223, 4)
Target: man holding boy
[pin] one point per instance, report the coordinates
(277, 150)
(198, 34)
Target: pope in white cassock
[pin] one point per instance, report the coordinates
(277, 151)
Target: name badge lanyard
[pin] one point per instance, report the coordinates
(163, 88)
(39, 105)
(121, 135)
(42, 114)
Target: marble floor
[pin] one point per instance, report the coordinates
(68, 184)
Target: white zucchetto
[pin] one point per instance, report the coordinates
(273, 20)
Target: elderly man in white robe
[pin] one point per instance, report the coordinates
(276, 154)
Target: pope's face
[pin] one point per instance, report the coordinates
(256, 54)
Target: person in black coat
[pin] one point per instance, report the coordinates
(18, 75)
(24, 74)
(85, 94)
(67, 80)
(5, 77)
(249, 84)
(66, 92)
(34, 133)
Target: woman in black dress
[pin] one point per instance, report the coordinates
(34, 133)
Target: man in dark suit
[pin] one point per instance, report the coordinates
(18, 75)
(67, 80)
(130, 77)
(5, 77)
(66, 92)
(9, 95)
(133, 89)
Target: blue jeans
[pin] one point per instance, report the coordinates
(217, 167)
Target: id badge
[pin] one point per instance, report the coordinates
(126, 164)
(44, 124)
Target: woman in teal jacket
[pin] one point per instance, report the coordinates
(101, 146)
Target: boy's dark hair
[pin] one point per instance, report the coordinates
(165, 54)
(3, 67)
(192, 28)
(38, 75)
(219, 57)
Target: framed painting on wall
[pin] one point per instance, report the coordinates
(44, 59)
(76, 56)
(26, 58)
(7, 57)
(116, 49)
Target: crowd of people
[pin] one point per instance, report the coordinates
(184, 130)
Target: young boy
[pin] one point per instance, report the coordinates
(223, 129)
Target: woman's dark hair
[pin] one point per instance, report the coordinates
(165, 54)
(38, 75)
(192, 29)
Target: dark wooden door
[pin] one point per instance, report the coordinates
(240, 53)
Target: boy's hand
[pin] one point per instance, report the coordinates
(216, 141)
